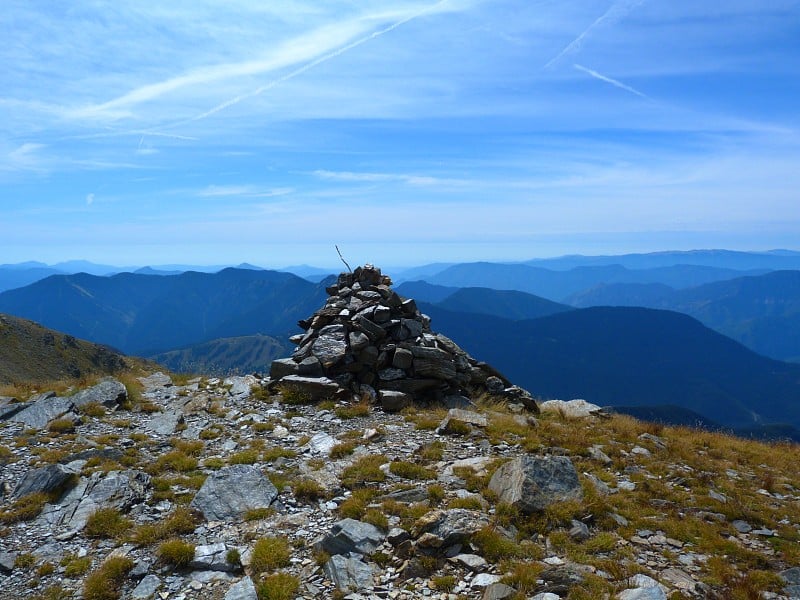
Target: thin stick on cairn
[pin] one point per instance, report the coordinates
(342, 257)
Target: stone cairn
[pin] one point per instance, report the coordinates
(367, 340)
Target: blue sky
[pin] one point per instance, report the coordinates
(405, 131)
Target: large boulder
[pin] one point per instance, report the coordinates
(349, 535)
(109, 392)
(115, 489)
(42, 409)
(532, 483)
(48, 479)
(212, 557)
(444, 528)
(349, 572)
(574, 409)
(227, 494)
(244, 589)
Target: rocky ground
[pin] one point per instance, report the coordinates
(210, 490)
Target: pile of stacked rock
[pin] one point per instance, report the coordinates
(368, 340)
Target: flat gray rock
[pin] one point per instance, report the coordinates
(575, 409)
(47, 479)
(147, 587)
(115, 489)
(240, 385)
(7, 560)
(331, 345)
(462, 417)
(532, 483)
(349, 535)
(322, 443)
(242, 590)
(791, 576)
(392, 401)
(8, 407)
(109, 392)
(443, 528)
(212, 557)
(155, 381)
(349, 573)
(499, 591)
(164, 423)
(282, 367)
(227, 494)
(41, 410)
(647, 593)
(471, 561)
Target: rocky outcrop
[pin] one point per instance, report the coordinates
(349, 535)
(532, 483)
(229, 493)
(368, 340)
(116, 489)
(47, 479)
(46, 407)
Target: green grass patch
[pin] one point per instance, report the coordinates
(106, 582)
(413, 471)
(176, 552)
(107, 523)
(270, 553)
(280, 586)
(364, 470)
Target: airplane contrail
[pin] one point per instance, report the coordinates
(310, 65)
(615, 12)
(613, 82)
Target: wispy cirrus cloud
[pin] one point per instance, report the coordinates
(615, 12)
(613, 82)
(247, 191)
(410, 179)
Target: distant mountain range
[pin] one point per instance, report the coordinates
(561, 285)
(770, 260)
(30, 353)
(636, 355)
(626, 356)
(225, 356)
(508, 304)
(761, 312)
(147, 314)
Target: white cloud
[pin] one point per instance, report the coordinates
(613, 82)
(616, 11)
(89, 199)
(417, 180)
(249, 191)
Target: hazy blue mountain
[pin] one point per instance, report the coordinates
(422, 291)
(146, 314)
(561, 285)
(15, 276)
(632, 357)
(771, 260)
(421, 272)
(226, 356)
(85, 266)
(30, 264)
(762, 312)
(152, 271)
(650, 295)
(508, 304)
